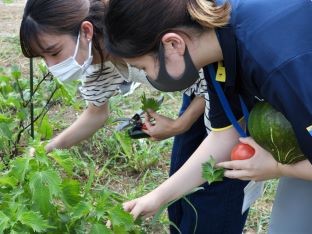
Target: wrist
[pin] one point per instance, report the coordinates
(161, 196)
(179, 126)
(284, 169)
(279, 169)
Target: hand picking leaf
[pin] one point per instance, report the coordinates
(210, 172)
(149, 103)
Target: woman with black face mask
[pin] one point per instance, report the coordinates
(251, 50)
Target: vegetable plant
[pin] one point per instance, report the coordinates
(140, 154)
(47, 194)
(16, 101)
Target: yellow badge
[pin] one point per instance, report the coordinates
(221, 75)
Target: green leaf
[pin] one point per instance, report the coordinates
(100, 229)
(5, 119)
(19, 168)
(81, 210)
(125, 142)
(43, 186)
(5, 131)
(34, 221)
(66, 91)
(149, 103)
(48, 179)
(210, 172)
(16, 72)
(4, 222)
(62, 158)
(6, 180)
(45, 129)
(90, 179)
(119, 217)
(71, 192)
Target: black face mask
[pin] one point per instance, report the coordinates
(166, 82)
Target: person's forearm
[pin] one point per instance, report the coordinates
(301, 170)
(191, 114)
(189, 176)
(85, 126)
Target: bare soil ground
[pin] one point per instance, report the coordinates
(10, 18)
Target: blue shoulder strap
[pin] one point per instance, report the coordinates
(226, 105)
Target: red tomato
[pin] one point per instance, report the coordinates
(242, 151)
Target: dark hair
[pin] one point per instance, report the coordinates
(60, 17)
(134, 27)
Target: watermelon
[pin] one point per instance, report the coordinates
(271, 130)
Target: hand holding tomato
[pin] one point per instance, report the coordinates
(260, 166)
(242, 151)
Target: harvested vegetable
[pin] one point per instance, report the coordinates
(242, 151)
(273, 132)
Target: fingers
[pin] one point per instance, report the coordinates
(237, 174)
(150, 119)
(134, 209)
(235, 164)
(128, 206)
(152, 113)
(249, 141)
(236, 169)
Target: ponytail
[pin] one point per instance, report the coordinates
(208, 14)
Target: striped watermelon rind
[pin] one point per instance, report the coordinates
(271, 130)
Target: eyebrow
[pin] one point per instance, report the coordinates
(51, 47)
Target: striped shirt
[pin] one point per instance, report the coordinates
(199, 88)
(97, 89)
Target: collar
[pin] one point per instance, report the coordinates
(228, 45)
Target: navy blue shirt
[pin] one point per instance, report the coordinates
(267, 51)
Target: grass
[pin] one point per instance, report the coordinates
(114, 168)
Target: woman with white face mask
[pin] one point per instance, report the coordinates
(68, 35)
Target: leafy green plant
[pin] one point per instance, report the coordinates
(45, 193)
(16, 101)
(149, 103)
(141, 154)
(210, 172)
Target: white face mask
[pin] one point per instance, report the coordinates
(70, 69)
